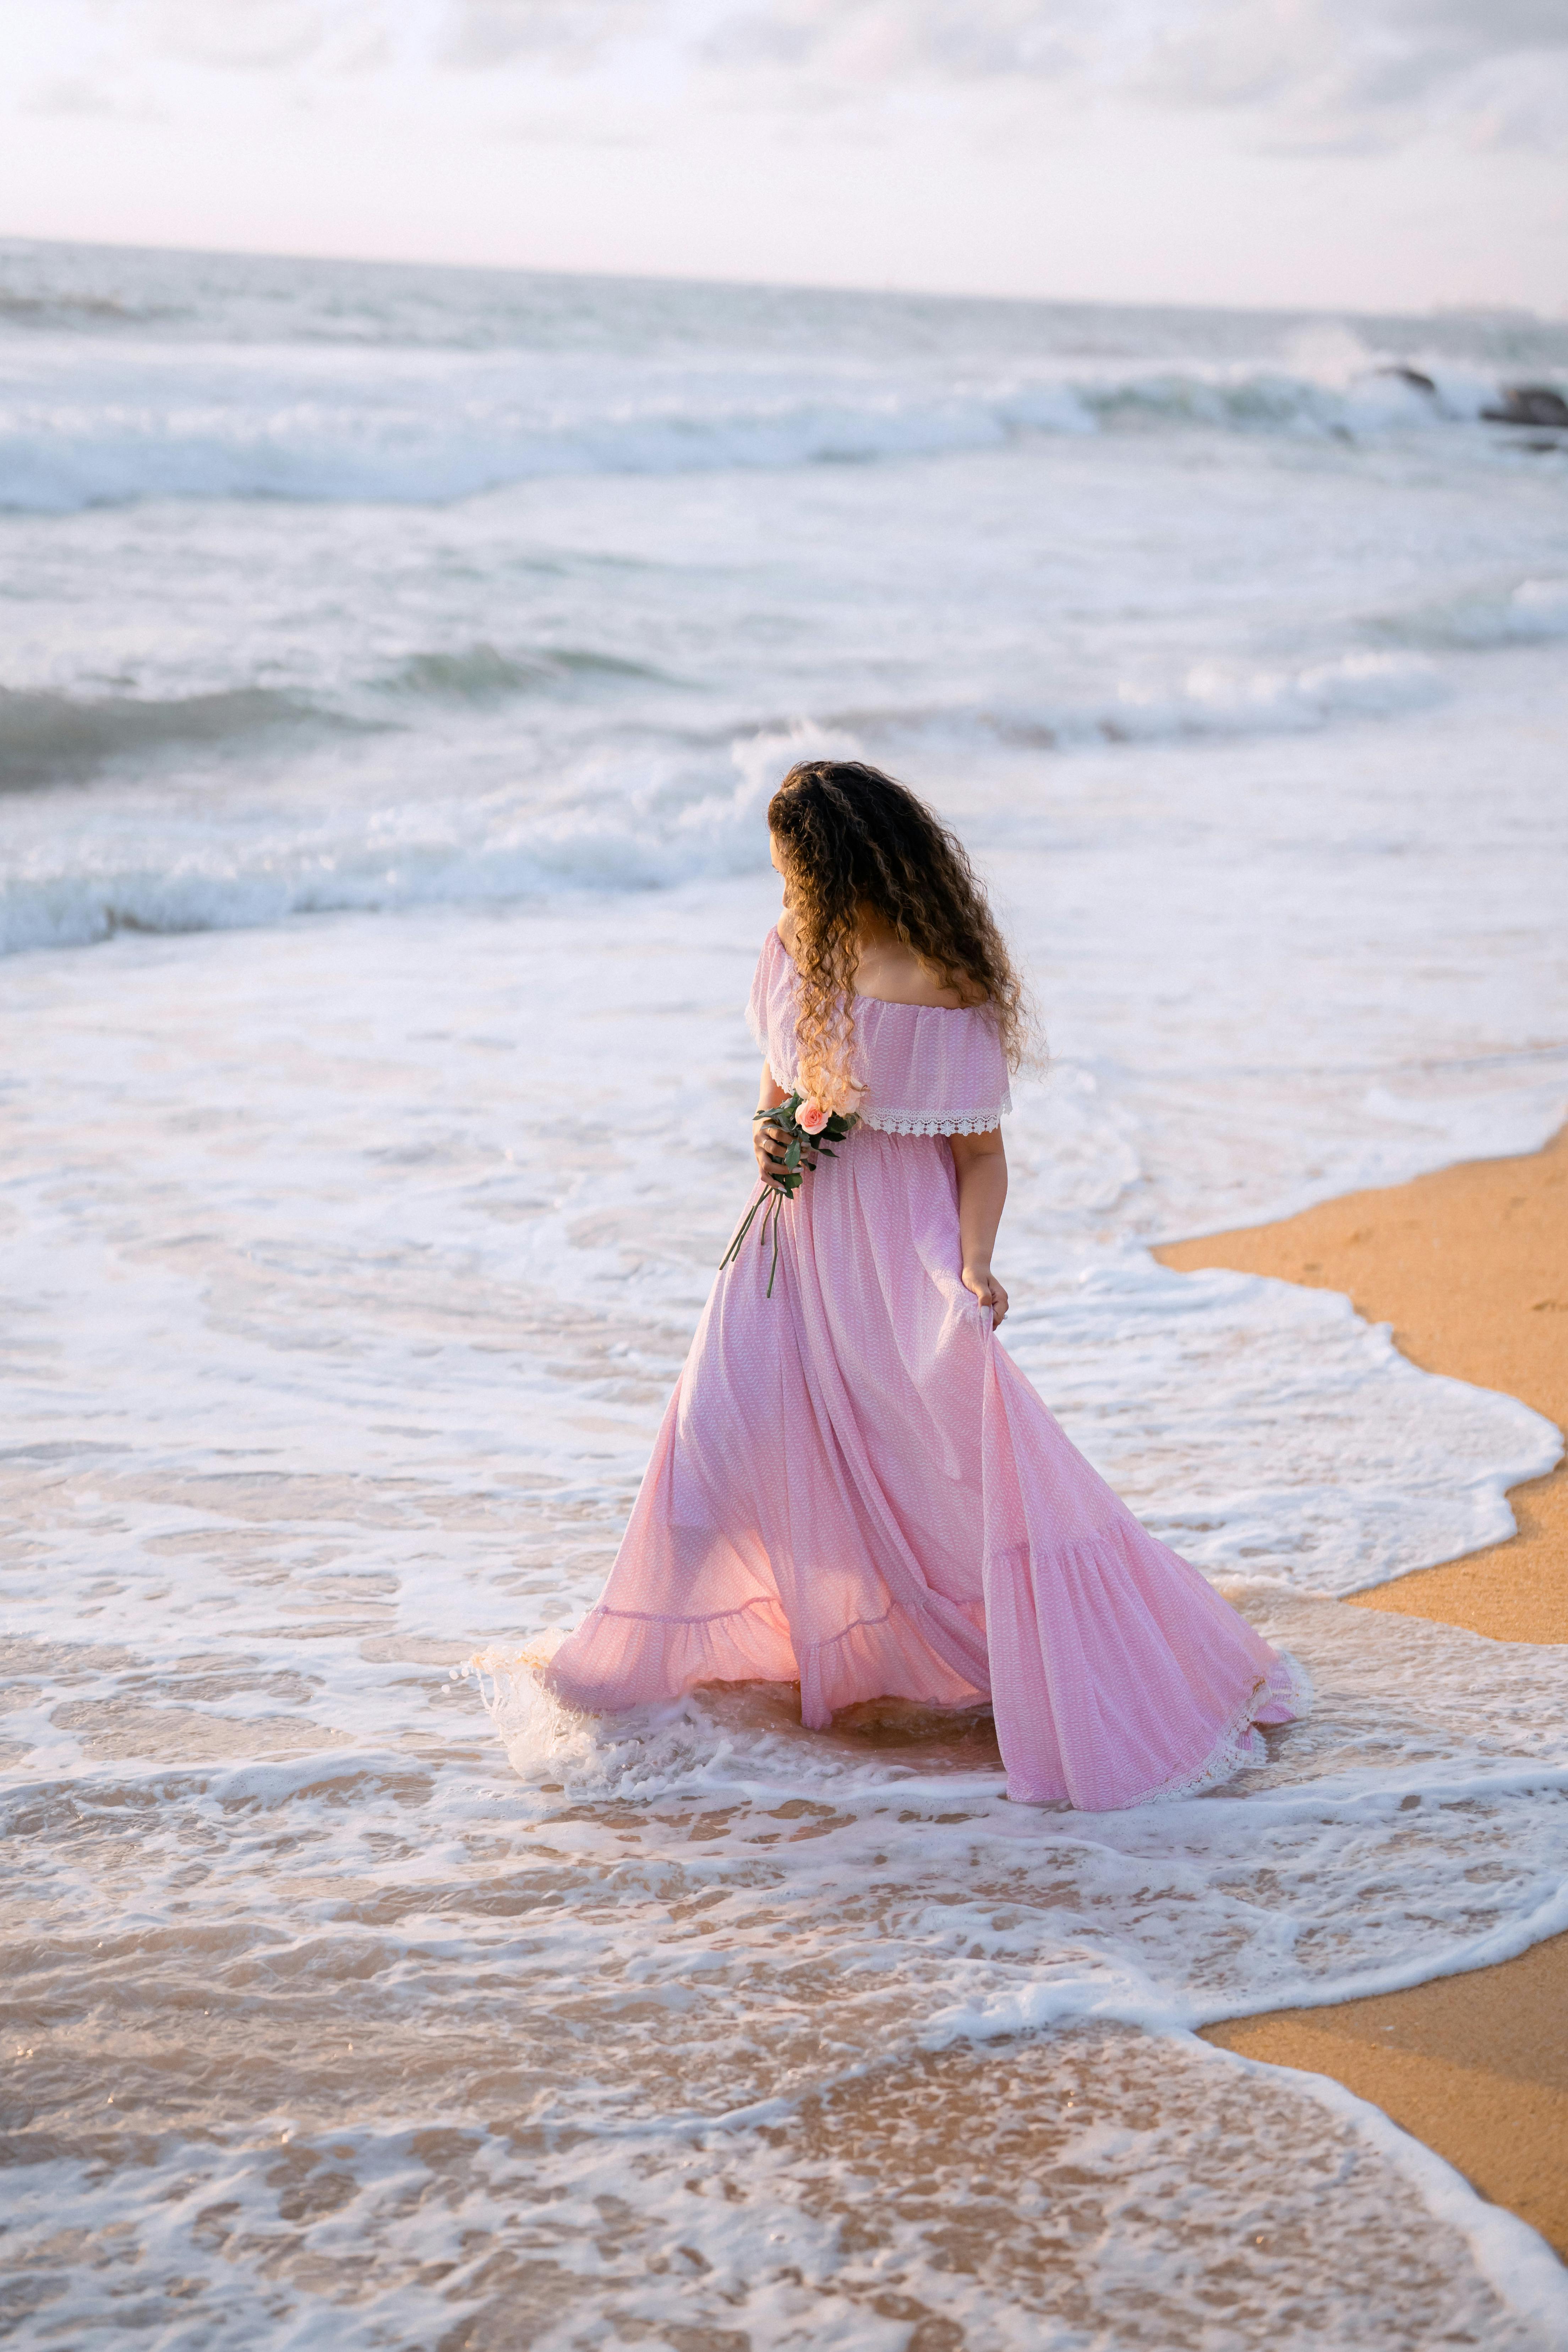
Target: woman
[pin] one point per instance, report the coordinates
(855, 1487)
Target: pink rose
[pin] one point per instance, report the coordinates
(811, 1117)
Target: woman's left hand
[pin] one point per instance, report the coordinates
(987, 1290)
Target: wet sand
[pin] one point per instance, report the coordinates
(1470, 1267)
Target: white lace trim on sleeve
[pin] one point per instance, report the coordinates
(950, 1122)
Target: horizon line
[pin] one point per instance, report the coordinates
(1523, 312)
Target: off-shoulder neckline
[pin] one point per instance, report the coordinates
(887, 1003)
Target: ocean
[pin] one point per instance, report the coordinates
(396, 664)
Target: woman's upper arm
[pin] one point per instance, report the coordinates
(986, 1146)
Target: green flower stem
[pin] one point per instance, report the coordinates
(787, 1178)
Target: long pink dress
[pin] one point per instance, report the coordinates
(856, 1489)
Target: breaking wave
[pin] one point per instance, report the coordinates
(483, 673)
(423, 860)
(49, 739)
(453, 427)
(1527, 613)
(659, 823)
(52, 738)
(1220, 698)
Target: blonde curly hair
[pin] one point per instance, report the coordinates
(855, 841)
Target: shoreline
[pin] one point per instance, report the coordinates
(1470, 1264)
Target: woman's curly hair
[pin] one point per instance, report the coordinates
(854, 841)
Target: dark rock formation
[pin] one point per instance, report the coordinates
(1417, 378)
(1528, 404)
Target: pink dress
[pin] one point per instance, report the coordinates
(856, 1489)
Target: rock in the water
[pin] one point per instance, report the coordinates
(1416, 377)
(1528, 404)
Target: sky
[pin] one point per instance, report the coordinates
(1374, 154)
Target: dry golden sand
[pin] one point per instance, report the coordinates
(1470, 1267)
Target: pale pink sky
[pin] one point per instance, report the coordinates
(1391, 154)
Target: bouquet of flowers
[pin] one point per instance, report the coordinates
(810, 1130)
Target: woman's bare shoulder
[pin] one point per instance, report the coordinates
(890, 973)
